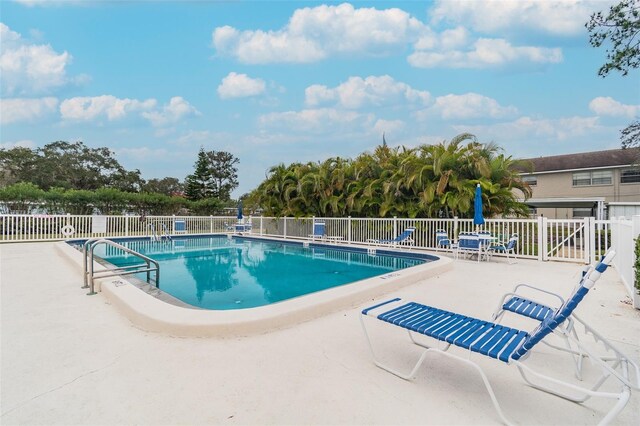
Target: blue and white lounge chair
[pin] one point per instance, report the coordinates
(508, 247)
(319, 231)
(404, 238)
(510, 345)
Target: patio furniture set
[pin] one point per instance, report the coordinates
(482, 244)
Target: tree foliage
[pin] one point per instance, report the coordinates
(166, 186)
(223, 173)
(215, 175)
(199, 185)
(630, 135)
(427, 181)
(67, 165)
(621, 28)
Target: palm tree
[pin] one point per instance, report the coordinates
(426, 181)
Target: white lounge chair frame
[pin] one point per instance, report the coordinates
(617, 366)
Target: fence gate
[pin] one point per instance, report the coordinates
(570, 240)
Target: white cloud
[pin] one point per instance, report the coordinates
(357, 92)
(388, 126)
(240, 86)
(527, 128)
(485, 53)
(90, 108)
(174, 111)
(30, 68)
(609, 106)
(113, 108)
(312, 34)
(448, 39)
(21, 109)
(323, 120)
(22, 144)
(556, 17)
(469, 105)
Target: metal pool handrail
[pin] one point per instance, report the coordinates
(89, 274)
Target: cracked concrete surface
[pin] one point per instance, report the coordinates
(72, 359)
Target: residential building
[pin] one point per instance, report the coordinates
(582, 184)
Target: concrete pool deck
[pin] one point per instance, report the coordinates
(67, 358)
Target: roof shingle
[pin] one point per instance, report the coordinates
(586, 160)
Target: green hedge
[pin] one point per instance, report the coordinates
(27, 198)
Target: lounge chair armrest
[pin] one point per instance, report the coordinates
(514, 292)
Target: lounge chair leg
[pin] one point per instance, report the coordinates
(622, 397)
(485, 380)
(413, 373)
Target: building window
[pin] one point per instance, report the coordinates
(580, 212)
(531, 180)
(582, 179)
(601, 177)
(604, 177)
(630, 176)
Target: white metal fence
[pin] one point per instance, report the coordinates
(572, 240)
(569, 240)
(20, 228)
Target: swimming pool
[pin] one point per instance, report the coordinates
(221, 273)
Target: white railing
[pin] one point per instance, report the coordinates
(569, 240)
(544, 239)
(572, 240)
(20, 228)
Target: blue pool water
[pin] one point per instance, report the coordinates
(220, 273)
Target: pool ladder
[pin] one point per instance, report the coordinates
(154, 234)
(90, 275)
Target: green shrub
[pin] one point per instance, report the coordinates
(22, 197)
(206, 206)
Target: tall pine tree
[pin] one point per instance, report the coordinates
(199, 185)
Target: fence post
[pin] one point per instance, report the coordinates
(348, 229)
(542, 238)
(284, 229)
(395, 227)
(211, 224)
(593, 245)
(260, 225)
(455, 228)
(126, 224)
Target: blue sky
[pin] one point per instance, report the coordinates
(277, 82)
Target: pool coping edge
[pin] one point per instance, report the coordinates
(152, 314)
